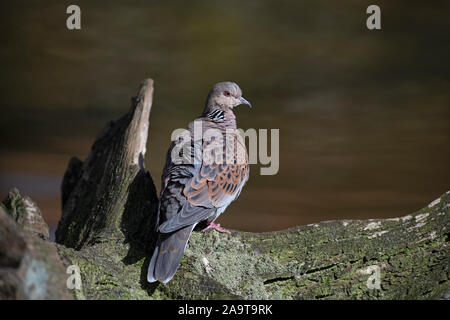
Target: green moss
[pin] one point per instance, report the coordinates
(309, 262)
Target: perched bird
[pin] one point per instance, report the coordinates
(195, 191)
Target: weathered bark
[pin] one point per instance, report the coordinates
(26, 213)
(107, 229)
(110, 195)
(30, 267)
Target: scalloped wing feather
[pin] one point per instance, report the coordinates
(223, 172)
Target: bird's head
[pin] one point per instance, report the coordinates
(224, 96)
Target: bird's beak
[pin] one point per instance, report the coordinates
(243, 101)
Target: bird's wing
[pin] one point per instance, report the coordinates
(188, 215)
(193, 193)
(223, 172)
(175, 212)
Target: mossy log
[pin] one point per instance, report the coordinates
(107, 230)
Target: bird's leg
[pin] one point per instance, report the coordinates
(216, 226)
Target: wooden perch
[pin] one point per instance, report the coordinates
(107, 229)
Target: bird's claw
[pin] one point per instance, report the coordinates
(217, 227)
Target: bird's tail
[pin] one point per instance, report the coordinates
(167, 255)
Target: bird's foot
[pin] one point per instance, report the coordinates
(217, 227)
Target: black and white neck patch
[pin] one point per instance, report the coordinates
(217, 115)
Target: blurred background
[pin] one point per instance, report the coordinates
(364, 116)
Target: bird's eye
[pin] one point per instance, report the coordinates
(226, 93)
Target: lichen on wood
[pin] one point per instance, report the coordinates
(327, 260)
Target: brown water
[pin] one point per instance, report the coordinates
(364, 116)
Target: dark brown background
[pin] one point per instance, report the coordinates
(363, 115)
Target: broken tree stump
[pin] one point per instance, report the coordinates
(110, 194)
